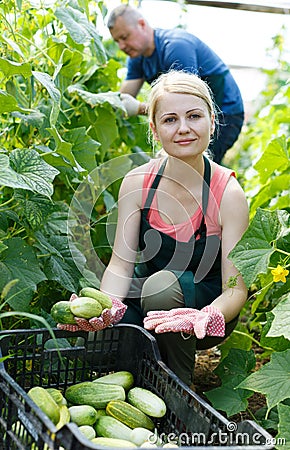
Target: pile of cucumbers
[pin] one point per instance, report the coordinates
(109, 411)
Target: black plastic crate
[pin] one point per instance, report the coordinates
(35, 360)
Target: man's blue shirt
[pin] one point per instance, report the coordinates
(177, 49)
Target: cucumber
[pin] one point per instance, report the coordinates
(57, 396)
(45, 402)
(110, 427)
(97, 395)
(86, 307)
(140, 435)
(64, 416)
(148, 402)
(87, 431)
(102, 298)
(83, 414)
(101, 412)
(112, 442)
(61, 313)
(122, 378)
(129, 415)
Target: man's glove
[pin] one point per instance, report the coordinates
(130, 104)
(209, 322)
(108, 318)
(175, 320)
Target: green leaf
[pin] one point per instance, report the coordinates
(252, 253)
(275, 157)
(84, 148)
(63, 262)
(8, 177)
(32, 172)
(92, 99)
(81, 30)
(84, 4)
(67, 66)
(272, 380)
(2, 246)
(282, 439)
(35, 119)
(228, 399)
(237, 362)
(34, 207)
(281, 323)
(105, 129)
(62, 147)
(278, 343)
(233, 369)
(18, 261)
(8, 103)
(11, 68)
(269, 423)
(13, 45)
(239, 338)
(272, 191)
(47, 82)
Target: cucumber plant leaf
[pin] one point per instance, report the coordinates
(62, 147)
(10, 68)
(8, 103)
(92, 99)
(277, 343)
(46, 80)
(252, 253)
(281, 323)
(19, 261)
(63, 262)
(275, 157)
(25, 169)
(84, 148)
(81, 30)
(233, 369)
(282, 439)
(13, 45)
(272, 379)
(35, 174)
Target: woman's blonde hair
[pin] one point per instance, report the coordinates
(179, 82)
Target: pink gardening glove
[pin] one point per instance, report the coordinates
(209, 322)
(107, 318)
(175, 320)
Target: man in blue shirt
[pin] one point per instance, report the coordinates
(155, 51)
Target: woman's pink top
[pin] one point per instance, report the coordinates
(184, 230)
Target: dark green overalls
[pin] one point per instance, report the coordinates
(196, 263)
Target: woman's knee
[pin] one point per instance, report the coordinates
(161, 291)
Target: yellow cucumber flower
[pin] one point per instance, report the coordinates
(279, 274)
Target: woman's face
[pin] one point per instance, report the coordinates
(183, 125)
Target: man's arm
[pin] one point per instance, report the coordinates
(131, 87)
(129, 90)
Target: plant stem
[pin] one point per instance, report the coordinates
(44, 53)
(7, 203)
(251, 414)
(253, 340)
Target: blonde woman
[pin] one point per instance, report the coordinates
(179, 216)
